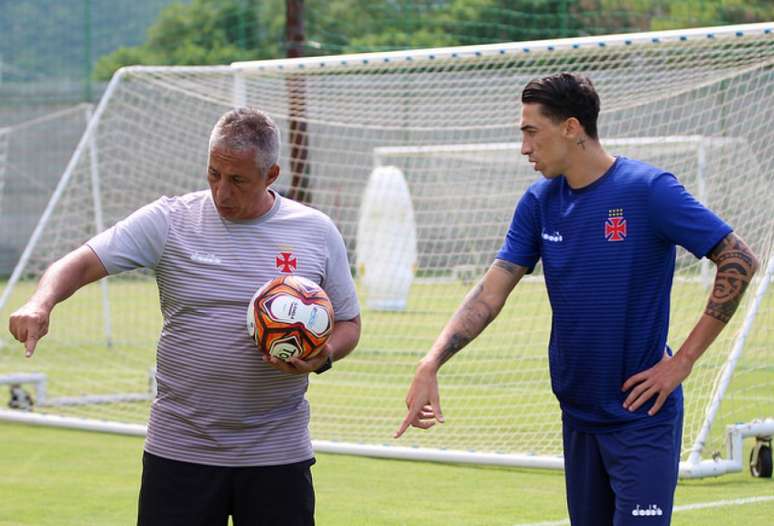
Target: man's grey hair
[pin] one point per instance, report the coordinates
(244, 129)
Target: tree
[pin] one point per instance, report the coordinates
(698, 13)
(222, 31)
(206, 32)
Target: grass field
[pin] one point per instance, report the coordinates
(497, 391)
(496, 398)
(53, 477)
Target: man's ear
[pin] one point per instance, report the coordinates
(272, 174)
(572, 128)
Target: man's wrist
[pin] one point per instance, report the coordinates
(429, 364)
(327, 364)
(42, 304)
(686, 358)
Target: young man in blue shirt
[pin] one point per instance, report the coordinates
(616, 379)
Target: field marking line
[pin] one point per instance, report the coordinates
(677, 509)
(723, 503)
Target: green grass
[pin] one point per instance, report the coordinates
(495, 394)
(55, 477)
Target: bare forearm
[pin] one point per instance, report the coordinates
(67, 275)
(29, 323)
(481, 305)
(468, 321)
(700, 338)
(346, 334)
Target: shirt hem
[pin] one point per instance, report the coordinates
(193, 458)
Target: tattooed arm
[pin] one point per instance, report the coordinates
(481, 305)
(478, 309)
(736, 265)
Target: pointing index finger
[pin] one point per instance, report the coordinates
(30, 344)
(410, 416)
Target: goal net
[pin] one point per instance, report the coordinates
(444, 123)
(33, 154)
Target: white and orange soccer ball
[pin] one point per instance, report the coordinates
(290, 316)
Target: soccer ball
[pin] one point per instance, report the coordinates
(290, 316)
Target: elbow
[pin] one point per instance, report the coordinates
(353, 328)
(756, 263)
(356, 336)
(359, 331)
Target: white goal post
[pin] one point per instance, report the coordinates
(33, 154)
(443, 123)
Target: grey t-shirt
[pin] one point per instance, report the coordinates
(218, 403)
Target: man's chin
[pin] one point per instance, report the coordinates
(537, 168)
(227, 213)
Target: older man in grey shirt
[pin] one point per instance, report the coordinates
(229, 425)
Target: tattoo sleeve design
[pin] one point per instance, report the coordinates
(475, 313)
(736, 265)
(456, 342)
(470, 320)
(507, 266)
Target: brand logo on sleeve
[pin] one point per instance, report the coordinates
(556, 237)
(615, 225)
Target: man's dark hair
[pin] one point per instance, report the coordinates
(565, 95)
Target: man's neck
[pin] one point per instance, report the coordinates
(589, 162)
(267, 202)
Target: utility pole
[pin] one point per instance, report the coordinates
(298, 139)
(243, 8)
(87, 52)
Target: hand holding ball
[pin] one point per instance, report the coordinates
(290, 316)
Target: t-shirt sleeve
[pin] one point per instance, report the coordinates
(681, 219)
(135, 242)
(522, 242)
(338, 283)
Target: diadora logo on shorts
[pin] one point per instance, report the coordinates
(651, 511)
(556, 237)
(207, 259)
(615, 225)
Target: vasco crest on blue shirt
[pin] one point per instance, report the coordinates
(615, 225)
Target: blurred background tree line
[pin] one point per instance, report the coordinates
(56, 56)
(66, 49)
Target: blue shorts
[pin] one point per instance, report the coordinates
(625, 477)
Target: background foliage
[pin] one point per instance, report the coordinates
(83, 41)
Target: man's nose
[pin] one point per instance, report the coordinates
(223, 190)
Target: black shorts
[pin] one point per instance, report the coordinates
(185, 494)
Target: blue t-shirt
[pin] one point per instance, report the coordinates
(608, 252)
